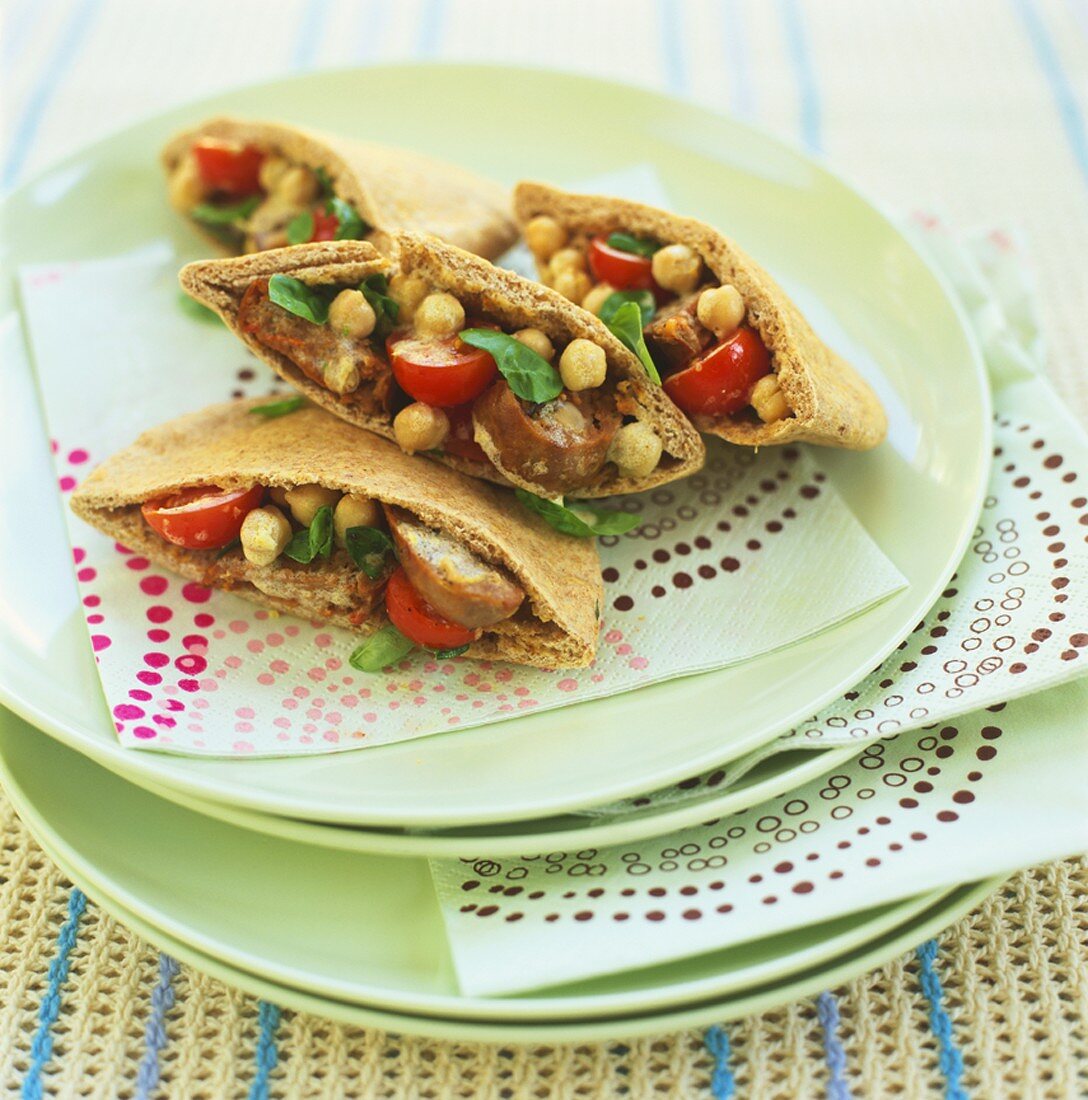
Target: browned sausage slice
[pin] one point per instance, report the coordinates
(556, 447)
(449, 576)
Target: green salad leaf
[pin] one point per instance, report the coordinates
(531, 377)
(351, 227)
(296, 297)
(324, 182)
(626, 326)
(314, 541)
(300, 228)
(196, 310)
(276, 409)
(375, 290)
(211, 214)
(380, 650)
(446, 654)
(640, 246)
(644, 299)
(581, 519)
(367, 548)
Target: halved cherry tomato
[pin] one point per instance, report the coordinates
(623, 270)
(203, 517)
(417, 620)
(461, 441)
(720, 381)
(325, 225)
(440, 372)
(228, 168)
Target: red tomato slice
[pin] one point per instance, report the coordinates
(442, 373)
(228, 168)
(325, 225)
(720, 381)
(461, 441)
(417, 620)
(623, 270)
(204, 517)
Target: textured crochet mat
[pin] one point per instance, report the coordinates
(1013, 998)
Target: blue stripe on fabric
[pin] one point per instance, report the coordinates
(41, 1047)
(722, 1083)
(155, 1037)
(432, 24)
(950, 1058)
(735, 40)
(827, 1009)
(1065, 98)
(308, 38)
(61, 59)
(268, 1015)
(808, 89)
(373, 21)
(670, 28)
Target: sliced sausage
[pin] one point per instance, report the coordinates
(557, 446)
(675, 337)
(449, 576)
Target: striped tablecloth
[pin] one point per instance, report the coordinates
(973, 108)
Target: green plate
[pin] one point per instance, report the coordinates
(351, 928)
(865, 287)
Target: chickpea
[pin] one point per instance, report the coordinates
(536, 340)
(583, 365)
(271, 171)
(676, 267)
(355, 511)
(721, 309)
(420, 427)
(351, 314)
(297, 186)
(186, 188)
(574, 285)
(279, 496)
(439, 315)
(568, 259)
(408, 291)
(635, 449)
(264, 534)
(768, 399)
(341, 375)
(597, 297)
(544, 236)
(305, 500)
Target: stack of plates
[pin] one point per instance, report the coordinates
(305, 880)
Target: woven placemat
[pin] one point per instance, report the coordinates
(1011, 1004)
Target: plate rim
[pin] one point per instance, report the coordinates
(216, 788)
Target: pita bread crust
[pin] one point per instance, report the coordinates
(514, 301)
(392, 189)
(832, 405)
(226, 445)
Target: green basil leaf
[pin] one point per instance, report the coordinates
(210, 214)
(583, 520)
(278, 408)
(196, 310)
(314, 541)
(380, 650)
(367, 548)
(350, 226)
(446, 654)
(626, 326)
(300, 228)
(644, 299)
(640, 246)
(296, 297)
(323, 182)
(375, 290)
(232, 545)
(531, 377)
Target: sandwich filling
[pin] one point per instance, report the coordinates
(711, 363)
(253, 198)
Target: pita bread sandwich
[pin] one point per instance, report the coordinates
(732, 349)
(255, 185)
(293, 509)
(487, 372)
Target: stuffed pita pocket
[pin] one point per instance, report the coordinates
(299, 511)
(734, 351)
(253, 185)
(487, 372)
